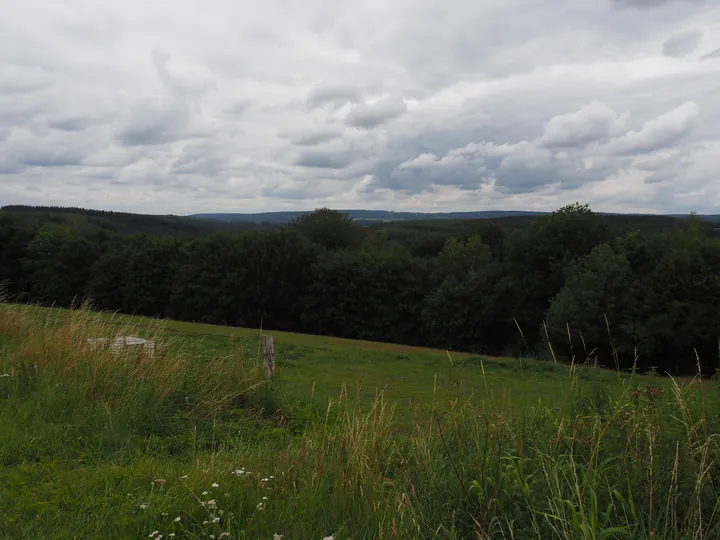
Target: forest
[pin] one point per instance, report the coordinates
(637, 292)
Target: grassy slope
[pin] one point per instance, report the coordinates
(75, 466)
(320, 366)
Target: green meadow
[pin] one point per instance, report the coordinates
(350, 439)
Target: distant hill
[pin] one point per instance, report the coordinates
(127, 223)
(386, 215)
(399, 225)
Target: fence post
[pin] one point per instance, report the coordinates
(268, 355)
(595, 363)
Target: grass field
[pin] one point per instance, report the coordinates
(351, 440)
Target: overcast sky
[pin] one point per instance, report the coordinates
(183, 106)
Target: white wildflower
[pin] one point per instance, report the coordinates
(164, 513)
(223, 535)
(153, 534)
(177, 519)
(143, 506)
(215, 485)
(216, 520)
(171, 535)
(329, 538)
(184, 477)
(205, 522)
(277, 536)
(211, 536)
(204, 493)
(265, 498)
(212, 504)
(271, 477)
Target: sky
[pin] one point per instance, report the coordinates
(185, 106)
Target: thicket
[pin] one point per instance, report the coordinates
(634, 299)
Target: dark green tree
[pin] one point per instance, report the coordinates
(330, 229)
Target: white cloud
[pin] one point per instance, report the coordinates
(233, 106)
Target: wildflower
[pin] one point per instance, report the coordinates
(271, 477)
(260, 505)
(5, 375)
(277, 536)
(177, 519)
(184, 477)
(143, 506)
(221, 512)
(329, 538)
(159, 481)
(216, 520)
(204, 493)
(164, 513)
(211, 536)
(265, 480)
(153, 534)
(171, 535)
(223, 535)
(265, 498)
(215, 485)
(205, 522)
(212, 504)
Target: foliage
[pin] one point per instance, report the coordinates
(589, 283)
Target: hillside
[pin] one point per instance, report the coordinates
(453, 223)
(349, 440)
(124, 223)
(385, 215)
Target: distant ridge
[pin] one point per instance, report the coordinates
(387, 215)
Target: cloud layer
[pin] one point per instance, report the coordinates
(423, 105)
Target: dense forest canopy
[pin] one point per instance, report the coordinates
(631, 290)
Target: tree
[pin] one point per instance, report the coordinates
(536, 260)
(330, 229)
(596, 290)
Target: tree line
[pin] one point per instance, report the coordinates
(566, 286)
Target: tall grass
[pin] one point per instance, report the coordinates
(638, 462)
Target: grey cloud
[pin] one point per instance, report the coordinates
(335, 95)
(650, 4)
(375, 114)
(239, 108)
(312, 137)
(325, 159)
(594, 122)
(148, 126)
(712, 54)
(45, 157)
(682, 44)
(70, 123)
(661, 132)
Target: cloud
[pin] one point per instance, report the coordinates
(682, 44)
(335, 95)
(324, 159)
(661, 132)
(312, 137)
(370, 115)
(594, 122)
(651, 4)
(411, 104)
(712, 54)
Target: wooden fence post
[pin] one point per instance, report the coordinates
(595, 363)
(268, 355)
